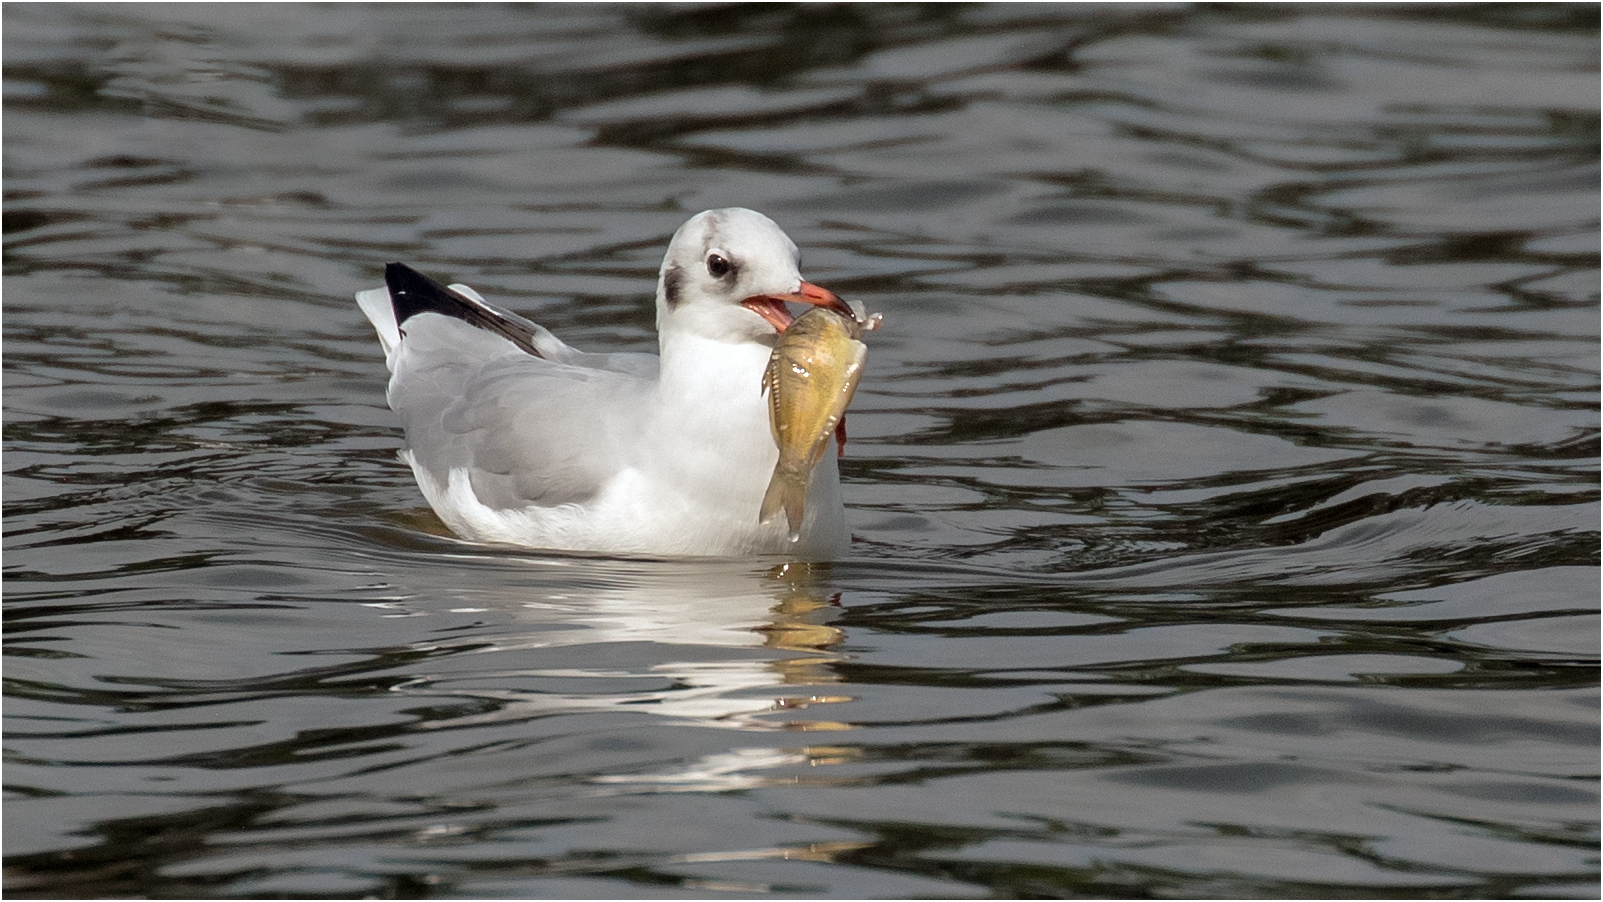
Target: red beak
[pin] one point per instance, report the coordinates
(771, 307)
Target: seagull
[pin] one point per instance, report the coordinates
(517, 438)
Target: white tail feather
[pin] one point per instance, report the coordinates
(375, 304)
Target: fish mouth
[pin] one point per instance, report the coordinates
(771, 307)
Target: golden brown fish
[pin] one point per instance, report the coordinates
(810, 379)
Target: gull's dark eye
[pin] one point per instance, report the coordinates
(718, 266)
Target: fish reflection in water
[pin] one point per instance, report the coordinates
(810, 379)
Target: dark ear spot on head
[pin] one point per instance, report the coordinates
(672, 279)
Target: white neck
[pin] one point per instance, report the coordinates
(711, 410)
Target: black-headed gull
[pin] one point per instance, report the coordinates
(517, 438)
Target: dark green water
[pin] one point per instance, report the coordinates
(1224, 483)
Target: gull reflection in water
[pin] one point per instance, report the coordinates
(715, 644)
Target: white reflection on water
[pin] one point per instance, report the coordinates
(779, 615)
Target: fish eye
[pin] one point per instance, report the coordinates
(718, 267)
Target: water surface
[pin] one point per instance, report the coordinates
(1224, 483)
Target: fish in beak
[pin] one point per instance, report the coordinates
(771, 307)
(811, 376)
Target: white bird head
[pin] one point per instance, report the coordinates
(727, 276)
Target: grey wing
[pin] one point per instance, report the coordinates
(523, 429)
(542, 342)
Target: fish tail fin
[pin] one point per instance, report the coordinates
(789, 493)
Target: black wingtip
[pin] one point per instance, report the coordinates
(412, 293)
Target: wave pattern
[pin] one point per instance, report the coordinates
(1224, 482)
